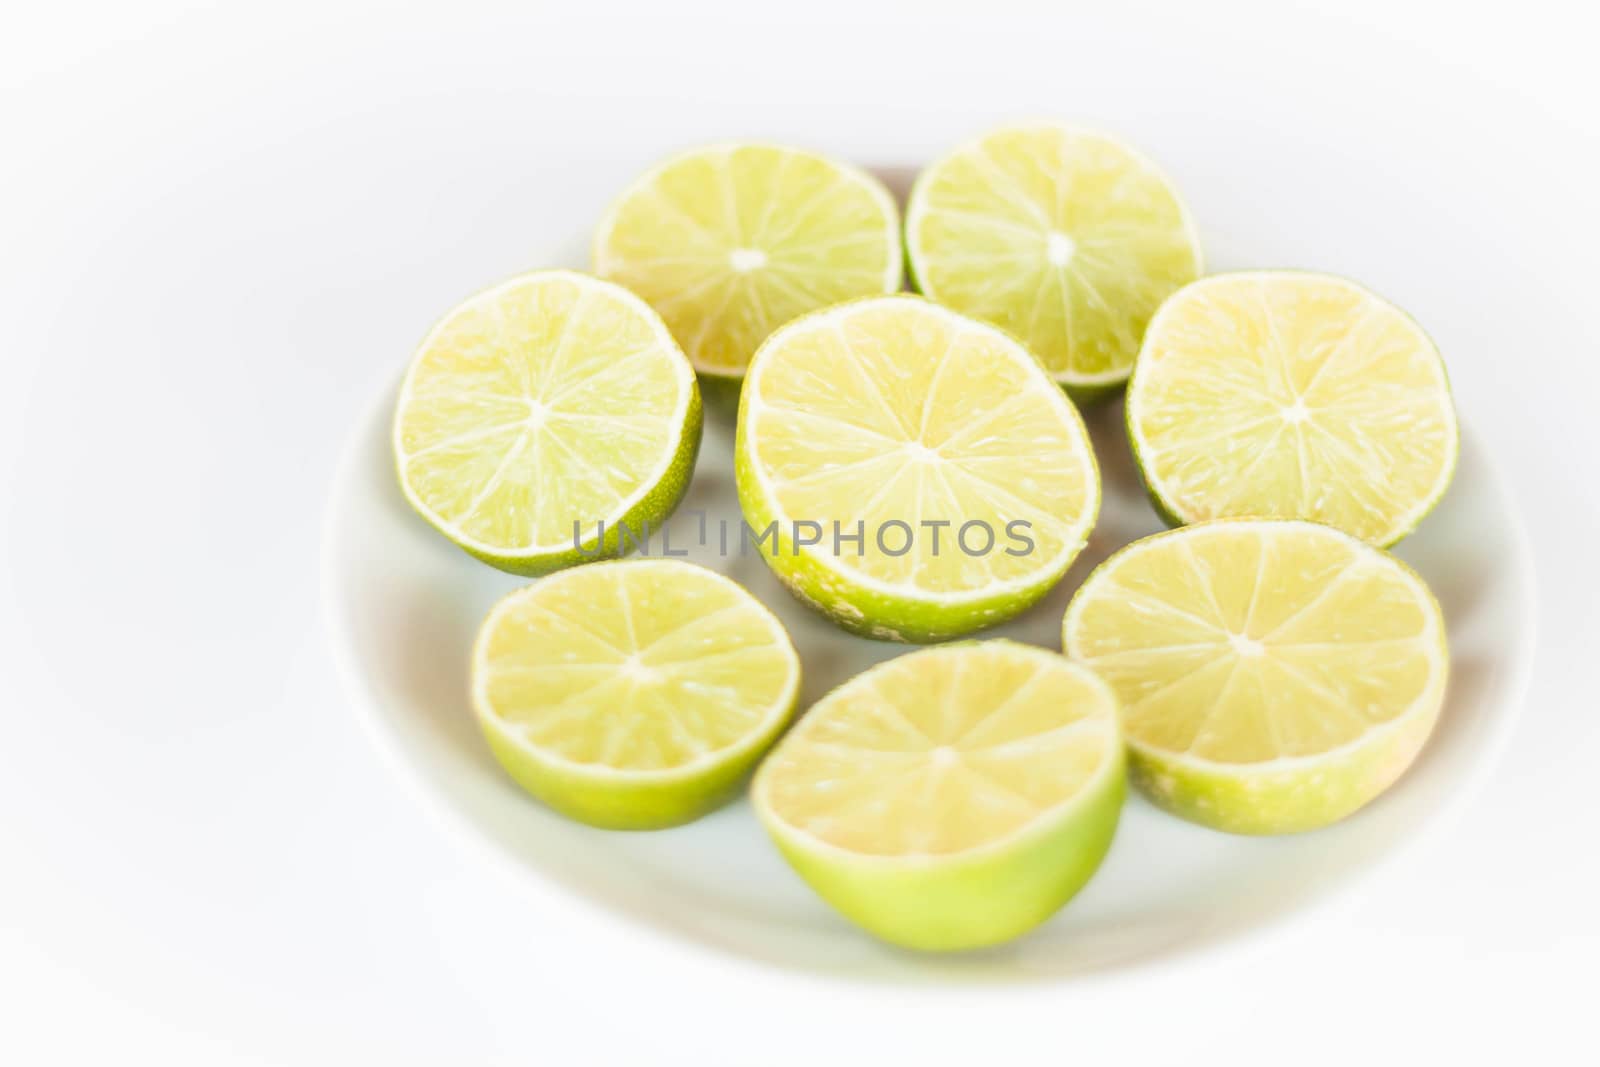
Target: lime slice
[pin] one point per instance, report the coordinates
(1275, 675)
(952, 798)
(541, 409)
(1289, 395)
(635, 694)
(1068, 239)
(947, 481)
(730, 242)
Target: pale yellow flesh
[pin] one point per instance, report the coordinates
(729, 243)
(552, 399)
(940, 752)
(1242, 643)
(896, 410)
(633, 667)
(1065, 238)
(1292, 396)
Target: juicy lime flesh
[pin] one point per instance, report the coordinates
(1065, 239)
(730, 243)
(895, 411)
(1293, 396)
(941, 752)
(551, 400)
(1247, 642)
(634, 666)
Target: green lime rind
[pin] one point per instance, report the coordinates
(975, 899)
(983, 899)
(865, 611)
(1157, 504)
(1286, 797)
(614, 801)
(720, 394)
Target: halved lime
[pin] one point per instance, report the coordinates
(1284, 394)
(632, 694)
(952, 798)
(1274, 675)
(1066, 238)
(919, 474)
(732, 241)
(538, 411)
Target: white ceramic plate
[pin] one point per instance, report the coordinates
(404, 604)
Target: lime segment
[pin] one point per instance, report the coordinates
(632, 694)
(966, 473)
(1065, 238)
(540, 409)
(1290, 395)
(730, 242)
(1275, 676)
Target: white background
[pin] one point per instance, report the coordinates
(222, 229)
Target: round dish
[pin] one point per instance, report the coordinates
(403, 606)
